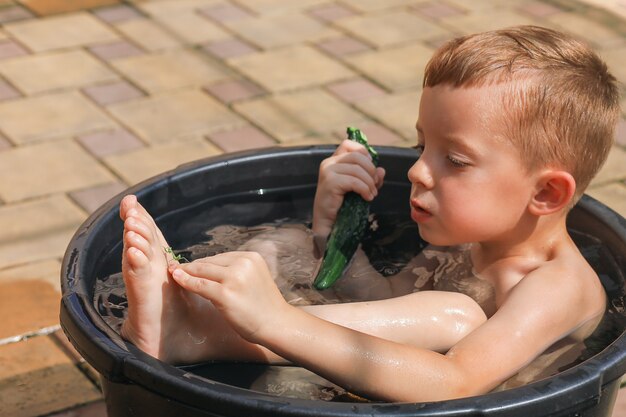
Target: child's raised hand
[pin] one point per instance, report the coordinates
(350, 168)
(239, 285)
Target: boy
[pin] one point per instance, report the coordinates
(512, 126)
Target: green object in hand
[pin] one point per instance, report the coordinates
(348, 230)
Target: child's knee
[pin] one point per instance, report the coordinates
(467, 314)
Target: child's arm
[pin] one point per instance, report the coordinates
(537, 313)
(350, 168)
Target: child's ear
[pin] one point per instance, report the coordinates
(555, 190)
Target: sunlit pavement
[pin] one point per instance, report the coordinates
(97, 95)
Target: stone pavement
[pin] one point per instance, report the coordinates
(97, 95)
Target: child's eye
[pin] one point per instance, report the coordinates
(455, 162)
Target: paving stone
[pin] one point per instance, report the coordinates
(50, 116)
(614, 58)
(280, 30)
(92, 198)
(136, 166)
(486, 20)
(64, 165)
(234, 90)
(13, 14)
(117, 13)
(279, 6)
(148, 34)
(247, 137)
(437, 10)
(376, 5)
(169, 70)
(64, 31)
(39, 73)
(326, 139)
(485, 6)
(32, 306)
(224, 12)
(612, 194)
(10, 49)
(614, 168)
(36, 230)
(193, 28)
(397, 111)
(94, 409)
(39, 216)
(229, 48)
(7, 91)
(539, 9)
(166, 8)
(115, 50)
(620, 133)
(394, 68)
(290, 68)
(4, 143)
(47, 270)
(169, 116)
(355, 90)
(49, 7)
(288, 117)
(110, 142)
(594, 33)
(106, 94)
(44, 246)
(44, 380)
(331, 12)
(390, 28)
(343, 45)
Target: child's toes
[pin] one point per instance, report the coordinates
(127, 203)
(138, 226)
(135, 240)
(137, 260)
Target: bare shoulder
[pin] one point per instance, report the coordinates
(569, 290)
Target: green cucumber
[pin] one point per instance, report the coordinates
(348, 230)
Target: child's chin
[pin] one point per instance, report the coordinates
(437, 239)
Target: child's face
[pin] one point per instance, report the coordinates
(469, 184)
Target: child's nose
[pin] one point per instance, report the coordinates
(420, 174)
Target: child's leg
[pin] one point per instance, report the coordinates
(433, 320)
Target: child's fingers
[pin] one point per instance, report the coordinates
(349, 146)
(206, 270)
(222, 259)
(348, 183)
(203, 287)
(380, 176)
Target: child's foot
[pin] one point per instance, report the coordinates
(158, 309)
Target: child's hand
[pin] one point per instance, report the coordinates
(350, 168)
(239, 285)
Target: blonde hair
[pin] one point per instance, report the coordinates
(563, 105)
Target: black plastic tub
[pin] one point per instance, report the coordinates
(281, 183)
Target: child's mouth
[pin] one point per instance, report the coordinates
(418, 213)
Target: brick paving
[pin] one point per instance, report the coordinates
(97, 95)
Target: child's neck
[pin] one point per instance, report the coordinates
(537, 243)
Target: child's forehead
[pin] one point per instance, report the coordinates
(461, 108)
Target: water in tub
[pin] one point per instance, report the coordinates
(388, 248)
